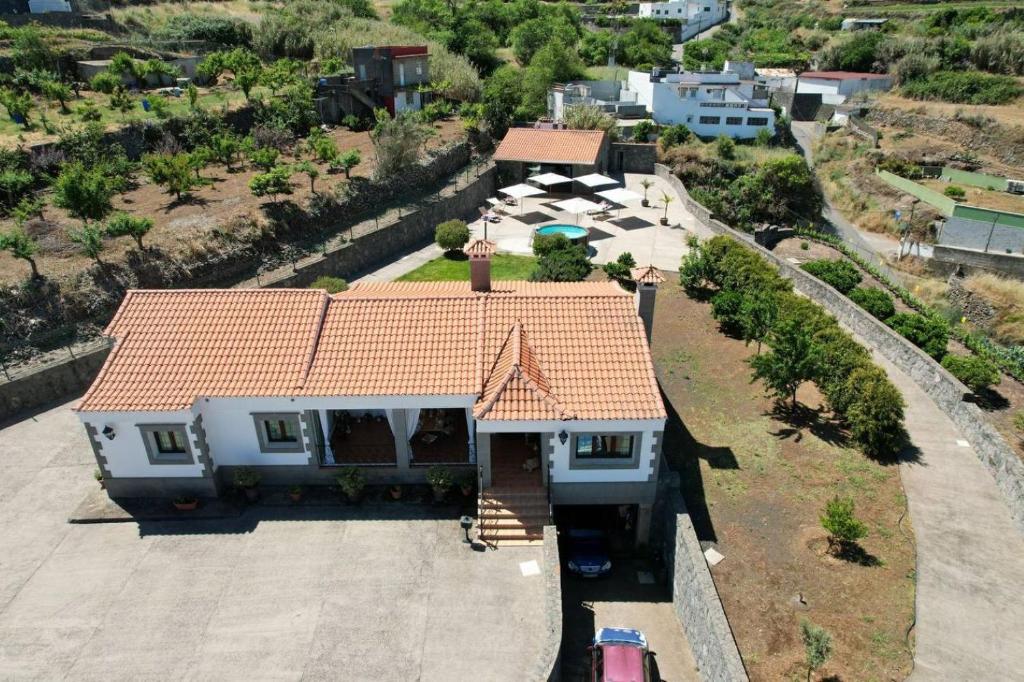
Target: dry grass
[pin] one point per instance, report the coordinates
(1007, 114)
(1006, 296)
(985, 198)
(155, 15)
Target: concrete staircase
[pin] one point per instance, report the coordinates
(515, 509)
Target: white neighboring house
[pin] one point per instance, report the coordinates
(843, 83)
(545, 390)
(709, 104)
(694, 15)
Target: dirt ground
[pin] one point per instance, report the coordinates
(756, 485)
(986, 198)
(1009, 114)
(184, 226)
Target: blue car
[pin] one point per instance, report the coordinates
(588, 553)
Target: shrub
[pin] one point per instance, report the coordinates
(674, 135)
(725, 147)
(840, 356)
(621, 268)
(247, 477)
(876, 301)
(842, 526)
(875, 414)
(975, 372)
(561, 261)
(351, 480)
(440, 477)
(105, 82)
(817, 645)
(964, 87)
(225, 31)
(930, 334)
(333, 285)
(273, 183)
(955, 192)
(643, 130)
(451, 235)
(841, 275)
(725, 307)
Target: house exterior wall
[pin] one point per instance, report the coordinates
(846, 87)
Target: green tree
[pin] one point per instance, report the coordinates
(18, 104)
(121, 101)
(83, 192)
(561, 62)
(876, 301)
(225, 148)
(57, 91)
(842, 526)
(643, 130)
(792, 360)
(246, 80)
(264, 158)
(645, 44)
(531, 35)
(105, 82)
(126, 225)
(560, 261)
(674, 135)
(974, 371)
(171, 171)
(310, 171)
(501, 96)
(14, 183)
(930, 334)
(19, 244)
(192, 92)
(875, 414)
(397, 143)
(451, 235)
(90, 239)
(323, 148)
(273, 183)
(758, 313)
(348, 161)
(817, 646)
(621, 268)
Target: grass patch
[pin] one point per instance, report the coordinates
(503, 266)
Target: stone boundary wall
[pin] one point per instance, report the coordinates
(695, 598)
(70, 376)
(549, 666)
(944, 390)
(946, 259)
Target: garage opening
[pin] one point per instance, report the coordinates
(616, 521)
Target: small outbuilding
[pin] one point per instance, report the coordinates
(530, 151)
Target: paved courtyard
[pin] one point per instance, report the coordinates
(275, 594)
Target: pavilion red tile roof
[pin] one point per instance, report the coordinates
(534, 145)
(647, 275)
(527, 350)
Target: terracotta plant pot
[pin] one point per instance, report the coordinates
(252, 494)
(189, 505)
(467, 490)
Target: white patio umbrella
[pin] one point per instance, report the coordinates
(548, 179)
(596, 180)
(619, 195)
(520, 191)
(577, 205)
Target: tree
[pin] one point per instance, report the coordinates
(105, 82)
(501, 97)
(758, 313)
(19, 244)
(451, 235)
(645, 44)
(126, 225)
(273, 183)
(666, 199)
(311, 172)
(198, 158)
(674, 135)
(533, 34)
(348, 161)
(18, 105)
(246, 80)
(192, 92)
(621, 268)
(397, 142)
(121, 101)
(14, 183)
(875, 413)
(559, 260)
(725, 307)
(974, 371)
(561, 62)
(90, 238)
(84, 193)
(323, 148)
(264, 158)
(792, 360)
(171, 171)
(643, 130)
(817, 646)
(876, 301)
(225, 148)
(842, 526)
(58, 92)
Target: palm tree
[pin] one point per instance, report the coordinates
(646, 183)
(666, 199)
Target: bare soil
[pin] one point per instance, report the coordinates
(756, 481)
(985, 198)
(184, 227)
(1008, 114)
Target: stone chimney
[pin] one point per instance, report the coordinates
(479, 252)
(647, 280)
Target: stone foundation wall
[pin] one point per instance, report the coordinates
(549, 667)
(51, 382)
(946, 259)
(633, 157)
(944, 390)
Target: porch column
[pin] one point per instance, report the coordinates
(483, 458)
(471, 430)
(402, 450)
(328, 428)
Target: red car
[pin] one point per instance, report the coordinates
(620, 655)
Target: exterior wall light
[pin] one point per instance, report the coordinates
(109, 432)
(563, 437)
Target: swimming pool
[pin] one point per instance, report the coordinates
(575, 233)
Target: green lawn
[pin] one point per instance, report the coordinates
(503, 266)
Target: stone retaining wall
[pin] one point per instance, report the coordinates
(944, 390)
(51, 382)
(549, 666)
(695, 599)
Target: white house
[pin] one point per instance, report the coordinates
(694, 15)
(858, 24)
(843, 83)
(541, 390)
(709, 104)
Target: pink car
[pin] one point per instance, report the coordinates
(620, 655)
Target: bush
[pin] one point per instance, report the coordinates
(559, 260)
(247, 477)
(876, 301)
(964, 87)
(876, 412)
(451, 235)
(351, 480)
(674, 135)
(621, 268)
(842, 526)
(841, 275)
(213, 29)
(333, 285)
(643, 130)
(725, 147)
(105, 82)
(840, 356)
(955, 192)
(975, 372)
(725, 307)
(930, 334)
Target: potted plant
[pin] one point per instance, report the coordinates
(646, 183)
(440, 479)
(247, 479)
(395, 491)
(665, 199)
(186, 502)
(295, 492)
(351, 481)
(466, 483)
(98, 475)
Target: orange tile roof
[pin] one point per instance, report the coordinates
(527, 350)
(550, 146)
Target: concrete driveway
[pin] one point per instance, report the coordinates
(274, 594)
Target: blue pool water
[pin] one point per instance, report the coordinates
(570, 231)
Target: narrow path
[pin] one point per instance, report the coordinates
(970, 555)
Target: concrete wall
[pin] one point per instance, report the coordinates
(947, 259)
(52, 381)
(549, 664)
(631, 157)
(962, 177)
(944, 390)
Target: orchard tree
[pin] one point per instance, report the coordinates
(348, 161)
(792, 360)
(90, 239)
(57, 91)
(83, 192)
(842, 526)
(264, 158)
(18, 104)
(225, 148)
(171, 171)
(19, 244)
(817, 645)
(273, 183)
(310, 171)
(876, 412)
(758, 313)
(126, 225)
(121, 101)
